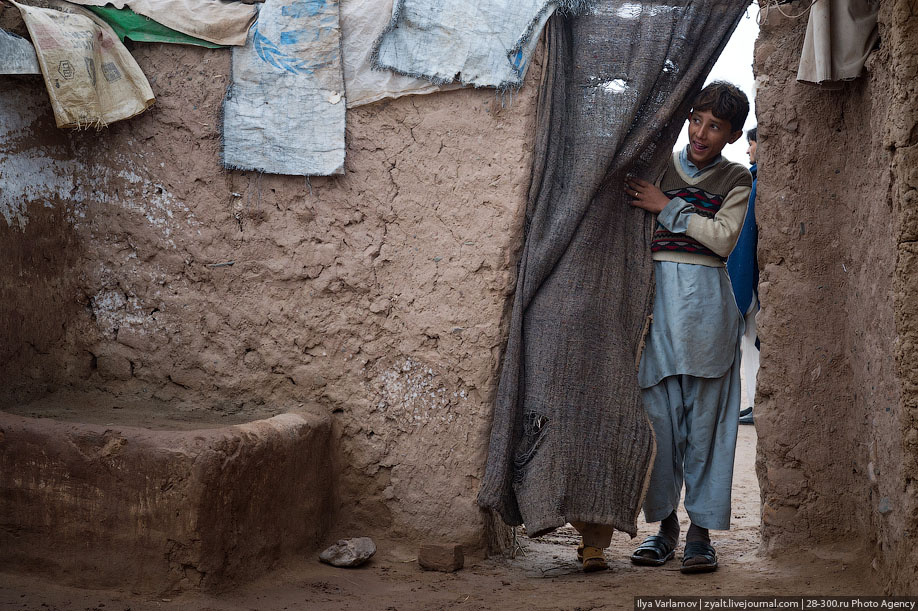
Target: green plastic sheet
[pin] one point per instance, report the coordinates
(128, 24)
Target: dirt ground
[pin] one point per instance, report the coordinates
(544, 575)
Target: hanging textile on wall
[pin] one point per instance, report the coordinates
(840, 34)
(128, 24)
(362, 21)
(17, 55)
(91, 78)
(284, 111)
(489, 46)
(570, 439)
(221, 22)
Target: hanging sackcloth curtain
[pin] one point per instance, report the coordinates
(569, 438)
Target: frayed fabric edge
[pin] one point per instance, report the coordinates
(568, 7)
(233, 167)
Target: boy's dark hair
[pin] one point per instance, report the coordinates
(752, 135)
(725, 101)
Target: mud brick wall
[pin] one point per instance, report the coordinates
(378, 296)
(836, 411)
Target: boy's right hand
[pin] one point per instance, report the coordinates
(645, 195)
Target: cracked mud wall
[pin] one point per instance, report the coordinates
(900, 137)
(143, 277)
(837, 405)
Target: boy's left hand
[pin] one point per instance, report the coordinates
(645, 195)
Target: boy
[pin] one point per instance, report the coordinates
(689, 370)
(743, 267)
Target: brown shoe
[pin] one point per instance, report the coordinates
(593, 559)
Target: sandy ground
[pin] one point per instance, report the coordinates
(544, 576)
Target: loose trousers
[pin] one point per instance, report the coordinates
(695, 421)
(750, 354)
(594, 535)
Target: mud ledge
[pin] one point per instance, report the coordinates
(155, 511)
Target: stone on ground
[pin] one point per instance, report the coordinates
(349, 552)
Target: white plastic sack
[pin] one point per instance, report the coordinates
(284, 112)
(91, 77)
(17, 55)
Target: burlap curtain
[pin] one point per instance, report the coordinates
(569, 439)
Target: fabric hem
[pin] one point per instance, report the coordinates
(687, 257)
(545, 528)
(645, 386)
(707, 520)
(649, 470)
(650, 516)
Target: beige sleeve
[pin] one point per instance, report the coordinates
(721, 232)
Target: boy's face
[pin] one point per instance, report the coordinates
(751, 150)
(708, 135)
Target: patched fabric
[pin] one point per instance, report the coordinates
(284, 112)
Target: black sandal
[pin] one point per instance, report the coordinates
(662, 549)
(699, 557)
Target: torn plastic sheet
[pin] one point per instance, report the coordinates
(284, 111)
(128, 24)
(17, 55)
(362, 22)
(486, 44)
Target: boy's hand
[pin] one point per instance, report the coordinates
(645, 195)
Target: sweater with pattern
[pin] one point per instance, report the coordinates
(705, 214)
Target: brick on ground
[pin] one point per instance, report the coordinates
(441, 557)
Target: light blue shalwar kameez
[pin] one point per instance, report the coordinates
(690, 380)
